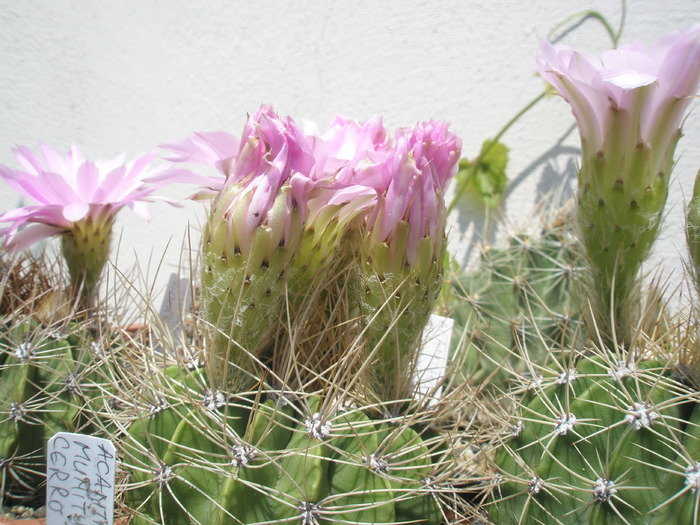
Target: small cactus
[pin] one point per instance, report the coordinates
(517, 305)
(603, 439)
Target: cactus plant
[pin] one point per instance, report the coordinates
(515, 306)
(49, 380)
(307, 409)
(602, 439)
(206, 456)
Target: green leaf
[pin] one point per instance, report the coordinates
(485, 176)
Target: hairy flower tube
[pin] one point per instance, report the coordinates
(402, 252)
(692, 230)
(283, 206)
(628, 106)
(77, 199)
(252, 235)
(295, 212)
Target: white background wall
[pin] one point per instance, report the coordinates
(129, 75)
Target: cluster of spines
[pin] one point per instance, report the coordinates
(50, 378)
(604, 439)
(516, 306)
(208, 456)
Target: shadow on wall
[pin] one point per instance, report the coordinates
(475, 224)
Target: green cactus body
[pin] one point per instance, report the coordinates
(396, 301)
(594, 444)
(515, 307)
(47, 385)
(246, 461)
(680, 491)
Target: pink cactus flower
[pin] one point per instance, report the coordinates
(652, 89)
(79, 200)
(629, 108)
(67, 189)
(411, 182)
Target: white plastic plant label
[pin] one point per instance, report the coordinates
(79, 480)
(432, 360)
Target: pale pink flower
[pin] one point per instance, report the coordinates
(66, 189)
(411, 182)
(629, 106)
(651, 88)
(218, 149)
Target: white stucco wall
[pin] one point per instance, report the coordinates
(128, 75)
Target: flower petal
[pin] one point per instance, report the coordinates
(75, 212)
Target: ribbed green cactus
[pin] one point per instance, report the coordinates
(49, 378)
(198, 455)
(515, 306)
(601, 440)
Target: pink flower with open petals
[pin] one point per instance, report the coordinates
(651, 88)
(68, 188)
(79, 199)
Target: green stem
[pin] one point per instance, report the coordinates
(589, 13)
(86, 249)
(460, 191)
